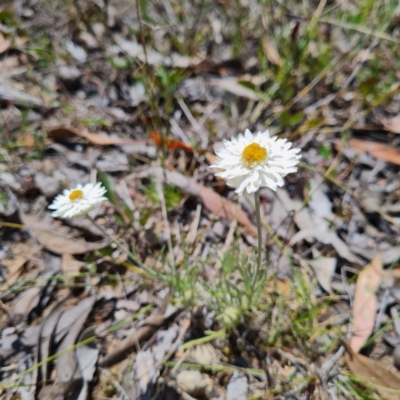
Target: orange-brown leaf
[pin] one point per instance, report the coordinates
(377, 150)
(172, 144)
(374, 374)
(214, 202)
(63, 133)
(224, 208)
(391, 124)
(365, 303)
(4, 44)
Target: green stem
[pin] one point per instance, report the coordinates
(122, 248)
(259, 235)
(210, 336)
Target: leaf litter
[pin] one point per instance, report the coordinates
(134, 100)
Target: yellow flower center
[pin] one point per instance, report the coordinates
(253, 154)
(76, 195)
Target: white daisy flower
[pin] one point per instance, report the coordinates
(77, 202)
(253, 161)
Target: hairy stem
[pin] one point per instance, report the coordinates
(259, 235)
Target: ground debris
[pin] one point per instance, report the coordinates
(139, 98)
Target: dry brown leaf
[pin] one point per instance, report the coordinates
(215, 203)
(374, 374)
(363, 55)
(56, 242)
(11, 94)
(377, 150)
(272, 54)
(70, 265)
(365, 302)
(391, 124)
(63, 133)
(324, 268)
(232, 85)
(4, 44)
(144, 331)
(224, 208)
(21, 253)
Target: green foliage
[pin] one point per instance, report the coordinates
(94, 122)
(121, 63)
(7, 17)
(172, 194)
(113, 197)
(3, 198)
(325, 151)
(235, 292)
(182, 281)
(290, 120)
(351, 383)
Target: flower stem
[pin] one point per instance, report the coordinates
(259, 235)
(125, 250)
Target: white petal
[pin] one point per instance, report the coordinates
(64, 207)
(281, 160)
(248, 135)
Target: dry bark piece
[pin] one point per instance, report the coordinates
(203, 354)
(19, 342)
(70, 377)
(37, 297)
(238, 387)
(25, 302)
(69, 76)
(17, 97)
(144, 376)
(324, 269)
(374, 374)
(194, 383)
(48, 185)
(144, 332)
(365, 302)
(114, 161)
(327, 238)
(21, 254)
(66, 364)
(58, 243)
(46, 336)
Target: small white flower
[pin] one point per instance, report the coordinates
(77, 202)
(253, 161)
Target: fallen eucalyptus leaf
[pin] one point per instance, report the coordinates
(324, 269)
(374, 374)
(58, 243)
(365, 303)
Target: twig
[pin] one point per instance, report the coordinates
(185, 327)
(330, 362)
(160, 192)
